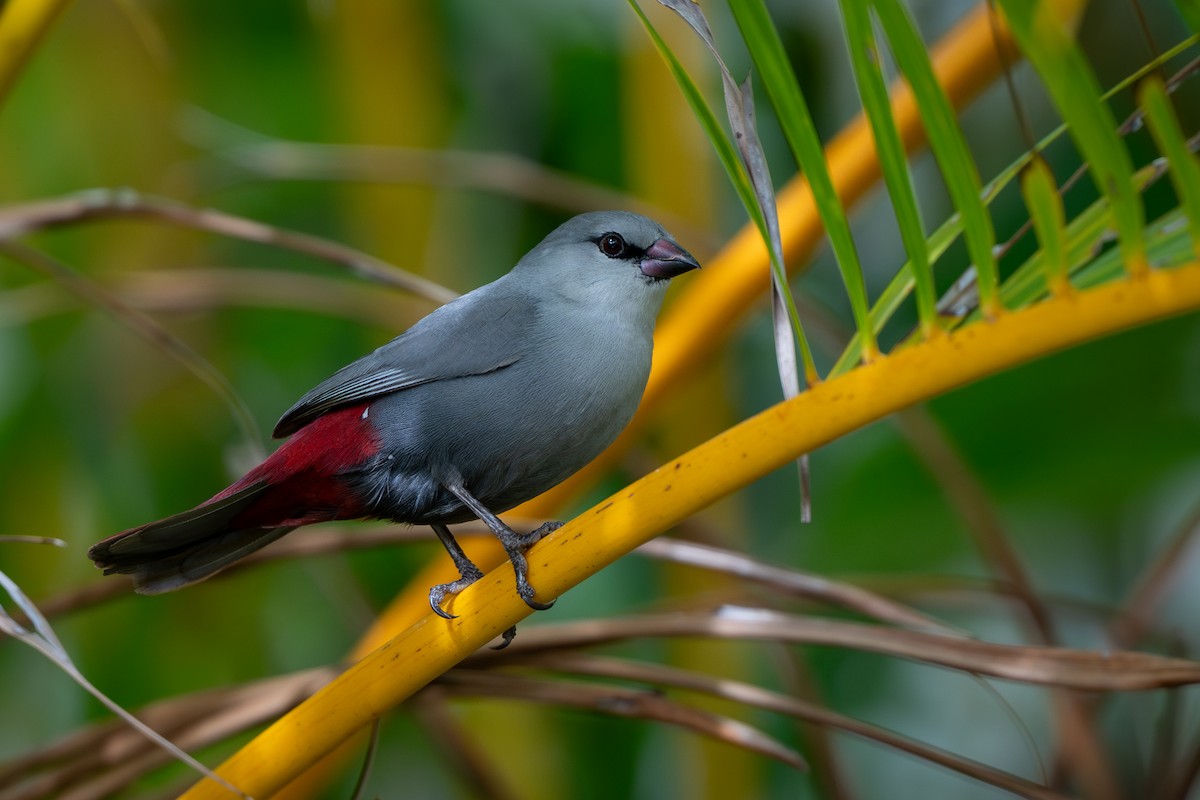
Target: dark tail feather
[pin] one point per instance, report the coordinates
(187, 547)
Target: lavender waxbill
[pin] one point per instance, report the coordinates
(487, 402)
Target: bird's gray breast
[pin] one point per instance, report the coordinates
(513, 433)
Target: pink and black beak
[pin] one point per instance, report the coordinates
(664, 259)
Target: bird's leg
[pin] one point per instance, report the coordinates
(468, 572)
(514, 544)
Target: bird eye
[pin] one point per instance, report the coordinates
(612, 245)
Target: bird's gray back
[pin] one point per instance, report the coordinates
(478, 333)
(514, 432)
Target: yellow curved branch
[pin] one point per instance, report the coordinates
(679, 489)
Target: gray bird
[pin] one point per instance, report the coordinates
(487, 402)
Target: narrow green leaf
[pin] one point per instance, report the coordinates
(1084, 237)
(777, 76)
(1168, 244)
(726, 151)
(947, 143)
(1190, 10)
(1076, 93)
(1185, 172)
(739, 105)
(897, 290)
(760, 202)
(1049, 221)
(1085, 234)
(865, 60)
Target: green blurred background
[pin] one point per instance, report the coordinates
(1091, 458)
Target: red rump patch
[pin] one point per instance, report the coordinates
(303, 486)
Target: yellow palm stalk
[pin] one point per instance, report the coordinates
(675, 491)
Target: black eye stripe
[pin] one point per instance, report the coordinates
(614, 246)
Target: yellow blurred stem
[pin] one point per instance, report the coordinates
(387, 50)
(23, 23)
(707, 311)
(675, 491)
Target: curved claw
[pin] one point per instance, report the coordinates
(438, 593)
(524, 589)
(536, 606)
(507, 636)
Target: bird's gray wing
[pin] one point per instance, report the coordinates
(481, 332)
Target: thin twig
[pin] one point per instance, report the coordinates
(1136, 615)
(620, 702)
(792, 581)
(364, 772)
(452, 739)
(43, 639)
(338, 538)
(758, 697)
(203, 289)
(92, 293)
(1053, 666)
(100, 759)
(98, 204)
(506, 174)
(1130, 124)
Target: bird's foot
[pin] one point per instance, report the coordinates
(515, 544)
(524, 588)
(469, 574)
(523, 541)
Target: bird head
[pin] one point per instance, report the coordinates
(605, 252)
